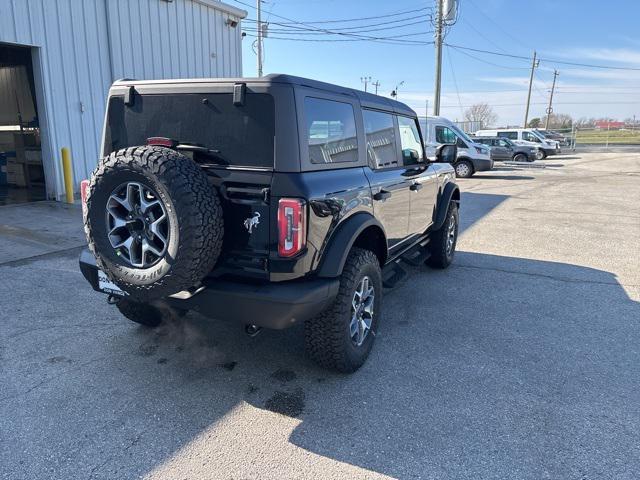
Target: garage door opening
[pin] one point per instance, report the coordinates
(21, 171)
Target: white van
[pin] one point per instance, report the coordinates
(472, 157)
(527, 137)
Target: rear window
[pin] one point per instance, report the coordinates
(242, 134)
(331, 131)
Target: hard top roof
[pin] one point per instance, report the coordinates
(366, 99)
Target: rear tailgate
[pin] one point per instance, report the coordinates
(247, 215)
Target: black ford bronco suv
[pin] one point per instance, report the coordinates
(267, 202)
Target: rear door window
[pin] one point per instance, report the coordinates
(331, 131)
(381, 139)
(243, 135)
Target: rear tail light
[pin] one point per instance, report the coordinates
(161, 142)
(292, 226)
(84, 191)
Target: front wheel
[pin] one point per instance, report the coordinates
(442, 244)
(464, 169)
(341, 337)
(520, 157)
(540, 154)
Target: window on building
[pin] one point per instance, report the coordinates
(381, 141)
(331, 131)
(410, 142)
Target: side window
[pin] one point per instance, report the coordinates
(331, 131)
(381, 139)
(410, 142)
(445, 135)
(509, 135)
(530, 137)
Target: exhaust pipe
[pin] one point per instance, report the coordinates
(252, 330)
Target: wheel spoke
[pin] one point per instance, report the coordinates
(137, 224)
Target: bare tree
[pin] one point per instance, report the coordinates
(558, 120)
(481, 112)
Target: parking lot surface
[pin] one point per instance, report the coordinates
(520, 361)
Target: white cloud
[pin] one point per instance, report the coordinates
(618, 55)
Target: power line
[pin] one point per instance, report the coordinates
(455, 82)
(345, 20)
(549, 60)
(298, 31)
(289, 26)
(392, 40)
(486, 61)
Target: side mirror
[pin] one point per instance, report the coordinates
(446, 153)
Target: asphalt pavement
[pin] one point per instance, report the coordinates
(522, 360)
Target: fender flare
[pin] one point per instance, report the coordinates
(451, 192)
(340, 243)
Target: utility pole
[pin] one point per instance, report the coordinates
(259, 9)
(438, 46)
(365, 80)
(526, 112)
(376, 84)
(550, 109)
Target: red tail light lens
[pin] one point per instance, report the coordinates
(84, 191)
(292, 226)
(161, 142)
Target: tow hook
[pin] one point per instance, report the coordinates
(252, 330)
(112, 300)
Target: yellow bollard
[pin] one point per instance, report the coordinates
(68, 174)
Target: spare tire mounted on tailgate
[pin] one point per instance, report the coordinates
(153, 221)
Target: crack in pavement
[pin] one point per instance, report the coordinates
(549, 277)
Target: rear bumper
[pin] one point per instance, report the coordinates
(275, 305)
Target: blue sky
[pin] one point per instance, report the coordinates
(571, 30)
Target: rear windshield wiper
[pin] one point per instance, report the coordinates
(199, 149)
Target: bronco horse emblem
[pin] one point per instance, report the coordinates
(252, 222)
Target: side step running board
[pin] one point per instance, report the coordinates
(393, 274)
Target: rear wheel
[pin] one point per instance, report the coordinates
(341, 337)
(442, 244)
(464, 169)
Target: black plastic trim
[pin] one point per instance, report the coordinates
(443, 204)
(341, 242)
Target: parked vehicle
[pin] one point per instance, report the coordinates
(553, 135)
(504, 149)
(266, 202)
(472, 156)
(525, 136)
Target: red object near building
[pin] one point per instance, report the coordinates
(604, 125)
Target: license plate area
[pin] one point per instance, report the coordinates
(107, 286)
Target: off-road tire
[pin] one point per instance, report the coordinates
(462, 172)
(441, 257)
(193, 209)
(146, 314)
(327, 338)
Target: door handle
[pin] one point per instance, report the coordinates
(382, 195)
(415, 187)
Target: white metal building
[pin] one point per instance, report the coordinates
(59, 57)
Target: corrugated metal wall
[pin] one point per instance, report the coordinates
(81, 46)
